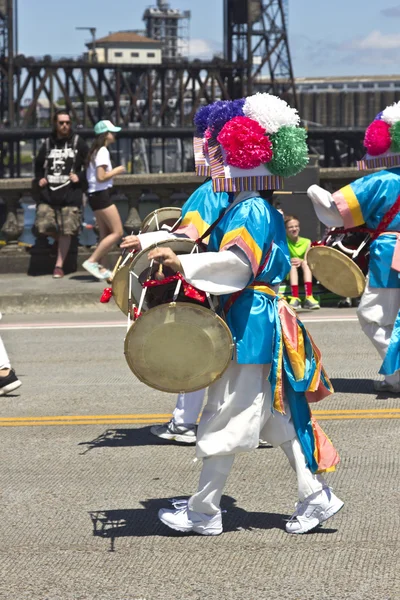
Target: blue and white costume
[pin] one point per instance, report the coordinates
(365, 202)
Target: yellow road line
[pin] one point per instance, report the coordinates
(149, 419)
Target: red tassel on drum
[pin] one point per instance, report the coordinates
(106, 295)
(188, 290)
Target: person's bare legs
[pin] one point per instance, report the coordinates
(64, 242)
(293, 276)
(307, 275)
(109, 221)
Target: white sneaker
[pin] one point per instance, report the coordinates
(185, 520)
(384, 386)
(313, 511)
(93, 269)
(186, 434)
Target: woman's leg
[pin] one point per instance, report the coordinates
(108, 219)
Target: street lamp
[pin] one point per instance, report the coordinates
(93, 33)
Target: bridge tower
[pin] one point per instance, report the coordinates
(255, 32)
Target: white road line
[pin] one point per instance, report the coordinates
(115, 324)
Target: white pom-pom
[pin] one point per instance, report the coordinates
(391, 114)
(270, 112)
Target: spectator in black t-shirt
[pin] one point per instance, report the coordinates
(60, 180)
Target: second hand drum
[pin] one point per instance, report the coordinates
(335, 266)
(178, 343)
(162, 218)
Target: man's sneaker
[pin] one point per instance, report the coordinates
(384, 386)
(9, 383)
(311, 303)
(313, 511)
(58, 273)
(93, 269)
(186, 434)
(295, 303)
(185, 520)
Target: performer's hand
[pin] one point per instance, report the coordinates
(132, 242)
(165, 256)
(296, 262)
(43, 182)
(73, 177)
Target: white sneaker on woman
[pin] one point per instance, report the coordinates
(93, 269)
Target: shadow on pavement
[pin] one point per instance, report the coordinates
(138, 522)
(353, 386)
(87, 278)
(128, 437)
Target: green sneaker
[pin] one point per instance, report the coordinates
(311, 303)
(295, 303)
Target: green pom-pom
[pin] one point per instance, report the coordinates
(290, 152)
(395, 135)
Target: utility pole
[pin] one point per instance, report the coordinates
(93, 34)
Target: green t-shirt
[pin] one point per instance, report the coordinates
(298, 249)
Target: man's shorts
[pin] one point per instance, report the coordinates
(64, 220)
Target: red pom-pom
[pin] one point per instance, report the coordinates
(106, 295)
(246, 143)
(377, 138)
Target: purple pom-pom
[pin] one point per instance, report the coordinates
(222, 112)
(379, 116)
(201, 119)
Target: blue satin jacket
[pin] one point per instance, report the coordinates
(257, 229)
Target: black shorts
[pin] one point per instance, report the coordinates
(99, 200)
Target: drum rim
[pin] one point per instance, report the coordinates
(117, 301)
(179, 305)
(345, 260)
(160, 210)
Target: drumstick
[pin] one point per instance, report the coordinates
(116, 267)
(160, 271)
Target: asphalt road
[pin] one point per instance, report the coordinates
(82, 478)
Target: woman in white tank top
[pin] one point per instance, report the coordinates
(100, 175)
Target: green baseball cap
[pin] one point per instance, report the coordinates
(103, 126)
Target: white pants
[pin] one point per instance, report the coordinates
(238, 411)
(377, 313)
(4, 360)
(188, 407)
(216, 469)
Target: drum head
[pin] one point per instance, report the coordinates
(336, 271)
(178, 347)
(167, 216)
(140, 266)
(120, 288)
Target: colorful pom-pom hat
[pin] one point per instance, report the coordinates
(251, 144)
(382, 140)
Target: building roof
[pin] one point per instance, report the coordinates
(124, 37)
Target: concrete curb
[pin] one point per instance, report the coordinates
(55, 303)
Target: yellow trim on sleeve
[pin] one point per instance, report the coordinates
(194, 218)
(242, 233)
(354, 206)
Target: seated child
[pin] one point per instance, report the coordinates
(298, 248)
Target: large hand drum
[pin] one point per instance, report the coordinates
(178, 347)
(162, 217)
(336, 271)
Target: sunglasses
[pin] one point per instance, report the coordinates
(64, 122)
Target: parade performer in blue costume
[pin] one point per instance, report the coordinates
(199, 211)
(276, 370)
(374, 202)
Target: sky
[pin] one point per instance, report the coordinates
(345, 37)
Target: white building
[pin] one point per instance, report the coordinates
(126, 47)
